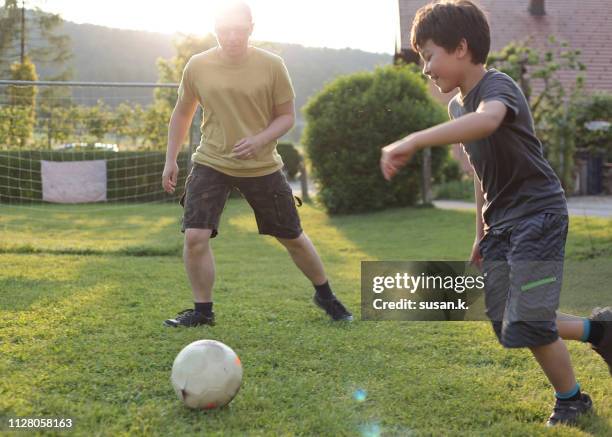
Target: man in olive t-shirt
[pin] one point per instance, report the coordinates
(248, 103)
(238, 99)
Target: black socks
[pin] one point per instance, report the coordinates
(324, 291)
(596, 332)
(204, 307)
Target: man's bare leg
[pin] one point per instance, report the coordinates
(307, 259)
(199, 263)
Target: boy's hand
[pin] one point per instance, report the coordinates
(247, 148)
(475, 256)
(396, 155)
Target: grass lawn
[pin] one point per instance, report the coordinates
(84, 289)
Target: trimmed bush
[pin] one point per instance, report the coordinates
(450, 171)
(347, 124)
(291, 158)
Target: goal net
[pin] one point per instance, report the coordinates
(73, 151)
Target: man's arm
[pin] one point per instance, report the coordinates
(470, 127)
(283, 121)
(180, 121)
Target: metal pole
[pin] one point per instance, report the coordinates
(88, 84)
(426, 192)
(49, 128)
(23, 29)
(304, 182)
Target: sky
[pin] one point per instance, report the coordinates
(370, 25)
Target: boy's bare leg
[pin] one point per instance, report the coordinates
(554, 359)
(570, 327)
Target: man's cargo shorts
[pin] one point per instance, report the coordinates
(523, 272)
(270, 196)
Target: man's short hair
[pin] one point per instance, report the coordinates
(234, 8)
(447, 22)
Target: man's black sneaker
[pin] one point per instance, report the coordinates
(333, 307)
(604, 348)
(567, 412)
(190, 318)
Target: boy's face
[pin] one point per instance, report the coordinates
(443, 68)
(233, 33)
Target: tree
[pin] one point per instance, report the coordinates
(9, 31)
(23, 101)
(33, 33)
(5, 125)
(155, 126)
(59, 125)
(171, 70)
(97, 120)
(554, 108)
(593, 118)
(127, 123)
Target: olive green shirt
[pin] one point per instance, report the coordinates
(238, 101)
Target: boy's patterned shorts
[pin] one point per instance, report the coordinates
(523, 268)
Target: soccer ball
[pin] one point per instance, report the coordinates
(206, 374)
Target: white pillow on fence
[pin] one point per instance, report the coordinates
(73, 181)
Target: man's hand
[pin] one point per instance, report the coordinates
(475, 256)
(397, 155)
(170, 176)
(247, 148)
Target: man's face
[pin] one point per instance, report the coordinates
(440, 66)
(233, 33)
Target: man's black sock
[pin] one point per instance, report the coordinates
(324, 291)
(596, 333)
(204, 307)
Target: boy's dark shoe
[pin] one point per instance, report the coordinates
(604, 348)
(333, 307)
(567, 412)
(190, 318)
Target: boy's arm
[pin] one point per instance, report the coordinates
(467, 128)
(470, 127)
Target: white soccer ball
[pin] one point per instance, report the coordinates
(206, 374)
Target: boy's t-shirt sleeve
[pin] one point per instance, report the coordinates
(452, 109)
(282, 89)
(502, 89)
(186, 90)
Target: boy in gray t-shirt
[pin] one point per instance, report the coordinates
(521, 223)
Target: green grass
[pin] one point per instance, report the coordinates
(83, 291)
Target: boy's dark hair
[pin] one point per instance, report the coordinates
(447, 22)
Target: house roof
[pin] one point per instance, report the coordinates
(586, 25)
